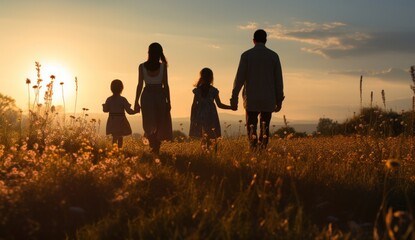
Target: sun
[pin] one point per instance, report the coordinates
(63, 82)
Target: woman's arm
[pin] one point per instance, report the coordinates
(137, 106)
(166, 85)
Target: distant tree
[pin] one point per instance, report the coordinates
(328, 127)
(288, 131)
(179, 136)
(377, 122)
(9, 118)
(284, 132)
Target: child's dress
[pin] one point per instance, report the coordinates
(204, 117)
(117, 123)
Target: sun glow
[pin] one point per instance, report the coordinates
(64, 86)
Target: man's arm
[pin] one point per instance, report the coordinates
(238, 82)
(279, 86)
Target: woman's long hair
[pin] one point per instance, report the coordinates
(205, 80)
(155, 55)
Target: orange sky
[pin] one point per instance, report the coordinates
(323, 53)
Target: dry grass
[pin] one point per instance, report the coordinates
(296, 189)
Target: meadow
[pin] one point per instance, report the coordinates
(77, 185)
(60, 179)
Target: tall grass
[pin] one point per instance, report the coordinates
(73, 184)
(297, 189)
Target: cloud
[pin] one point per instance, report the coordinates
(249, 26)
(396, 75)
(337, 39)
(214, 46)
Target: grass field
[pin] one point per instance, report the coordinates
(59, 179)
(76, 185)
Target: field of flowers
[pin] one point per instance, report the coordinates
(59, 179)
(75, 184)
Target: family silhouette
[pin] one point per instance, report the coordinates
(259, 75)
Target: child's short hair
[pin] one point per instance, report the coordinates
(116, 86)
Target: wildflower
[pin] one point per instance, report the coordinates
(137, 176)
(253, 180)
(145, 141)
(1, 150)
(392, 164)
(127, 171)
(149, 175)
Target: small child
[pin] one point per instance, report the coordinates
(204, 119)
(116, 105)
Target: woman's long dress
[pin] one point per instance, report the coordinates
(154, 107)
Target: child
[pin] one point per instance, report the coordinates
(204, 119)
(116, 105)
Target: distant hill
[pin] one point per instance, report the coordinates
(231, 124)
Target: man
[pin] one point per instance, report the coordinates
(260, 74)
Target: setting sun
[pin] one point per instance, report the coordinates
(63, 82)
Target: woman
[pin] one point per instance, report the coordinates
(155, 98)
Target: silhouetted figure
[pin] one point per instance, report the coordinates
(116, 105)
(204, 119)
(155, 98)
(260, 75)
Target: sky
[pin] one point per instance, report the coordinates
(324, 47)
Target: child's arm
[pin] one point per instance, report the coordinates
(131, 111)
(193, 109)
(140, 85)
(220, 104)
(128, 109)
(105, 107)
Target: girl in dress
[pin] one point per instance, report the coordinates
(116, 105)
(155, 98)
(204, 119)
